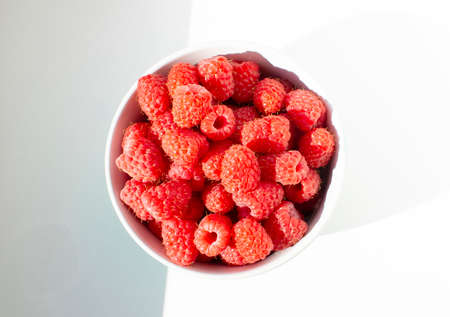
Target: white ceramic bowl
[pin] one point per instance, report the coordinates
(271, 62)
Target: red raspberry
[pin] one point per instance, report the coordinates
(322, 122)
(155, 227)
(216, 199)
(243, 212)
(243, 115)
(285, 226)
(216, 74)
(212, 161)
(231, 256)
(246, 76)
(181, 74)
(143, 161)
(261, 201)
(295, 133)
(251, 239)
(198, 179)
(188, 172)
(178, 240)
(203, 144)
(137, 130)
(268, 96)
(267, 135)
(177, 172)
(131, 196)
(167, 200)
(317, 146)
(190, 105)
(184, 146)
(304, 108)
(152, 95)
(213, 234)
(219, 124)
(195, 210)
(286, 168)
(163, 124)
(240, 169)
(306, 189)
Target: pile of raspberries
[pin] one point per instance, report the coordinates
(226, 161)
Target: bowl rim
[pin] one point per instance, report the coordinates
(336, 179)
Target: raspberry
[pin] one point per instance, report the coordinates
(152, 95)
(230, 255)
(286, 168)
(243, 115)
(167, 200)
(195, 210)
(177, 172)
(219, 124)
(304, 108)
(198, 179)
(268, 96)
(163, 124)
(181, 74)
(243, 212)
(246, 76)
(213, 234)
(306, 189)
(178, 240)
(285, 226)
(240, 169)
(131, 196)
(137, 130)
(322, 122)
(295, 133)
(203, 144)
(190, 105)
(216, 74)
(251, 239)
(216, 199)
(155, 227)
(143, 160)
(212, 161)
(188, 172)
(261, 201)
(317, 146)
(184, 146)
(267, 135)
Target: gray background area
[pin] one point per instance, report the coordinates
(64, 68)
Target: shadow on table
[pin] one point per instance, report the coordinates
(63, 250)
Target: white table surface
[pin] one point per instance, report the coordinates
(385, 252)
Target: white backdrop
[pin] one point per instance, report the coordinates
(385, 250)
